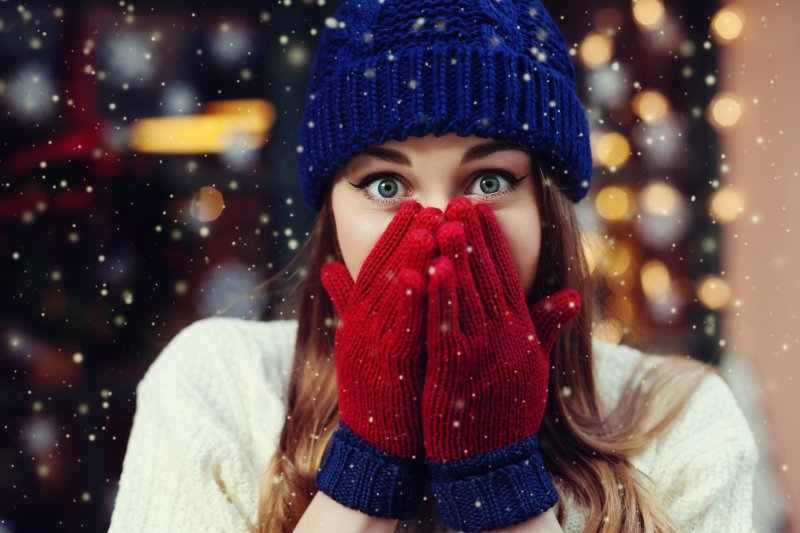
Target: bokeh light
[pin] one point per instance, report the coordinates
(726, 205)
(611, 149)
(207, 204)
(596, 50)
(727, 24)
(610, 329)
(649, 14)
(613, 202)
(655, 279)
(713, 292)
(725, 111)
(650, 106)
(660, 198)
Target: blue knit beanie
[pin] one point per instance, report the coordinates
(389, 69)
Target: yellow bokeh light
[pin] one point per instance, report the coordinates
(727, 24)
(611, 149)
(609, 329)
(655, 279)
(714, 292)
(726, 205)
(612, 261)
(660, 198)
(725, 111)
(596, 50)
(621, 260)
(649, 13)
(207, 204)
(613, 203)
(650, 106)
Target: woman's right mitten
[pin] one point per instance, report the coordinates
(486, 381)
(374, 463)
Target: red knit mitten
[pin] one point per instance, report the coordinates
(374, 463)
(486, 381)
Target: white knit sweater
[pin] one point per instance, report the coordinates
(210, 409)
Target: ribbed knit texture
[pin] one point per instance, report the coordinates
(400, 68)
(487, 374)
(378, 353)
(357, 475)
(493, 490)
(211, 407)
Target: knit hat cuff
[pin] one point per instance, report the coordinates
(441, 89)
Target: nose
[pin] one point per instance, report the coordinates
(438, 202)
(441, 201)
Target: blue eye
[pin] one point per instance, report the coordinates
(489, 181)
(387, 187)
(489, 184)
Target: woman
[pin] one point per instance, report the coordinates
(440, 372)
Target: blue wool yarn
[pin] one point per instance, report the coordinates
(389, 69)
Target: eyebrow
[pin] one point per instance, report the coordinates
(476, 152)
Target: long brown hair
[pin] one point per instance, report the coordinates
(586, 451)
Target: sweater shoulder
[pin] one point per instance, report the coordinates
(209, 412)
(703, 463)
(712, 407)
(209, 347)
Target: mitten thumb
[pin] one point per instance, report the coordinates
(338, 283)
(551, 313)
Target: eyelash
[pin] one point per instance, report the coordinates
(371, 178)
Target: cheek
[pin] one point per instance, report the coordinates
(357, 231)
(523, 232)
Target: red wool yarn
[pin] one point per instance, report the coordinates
(379, 344)
(486, 379)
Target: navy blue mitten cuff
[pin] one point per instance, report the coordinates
(359, 476)
(493, 490)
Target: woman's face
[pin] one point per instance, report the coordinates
(434, 170)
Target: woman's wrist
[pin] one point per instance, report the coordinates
(326, 514)
(542, 523)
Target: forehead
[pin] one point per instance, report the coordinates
(468, 149)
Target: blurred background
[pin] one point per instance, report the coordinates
(148, 179)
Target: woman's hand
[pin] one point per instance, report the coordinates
(486, 379)
(374, 463)
(547, 522)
